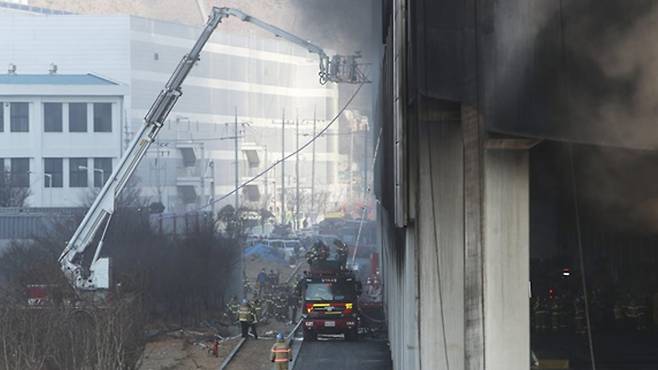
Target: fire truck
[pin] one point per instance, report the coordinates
(330, 301)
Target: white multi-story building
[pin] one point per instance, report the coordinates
(252, 80)
(60, 135)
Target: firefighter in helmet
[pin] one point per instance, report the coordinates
(247, 318)
(341, 252)
(281, 353)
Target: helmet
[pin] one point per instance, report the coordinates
(279, 336)
(244, 301)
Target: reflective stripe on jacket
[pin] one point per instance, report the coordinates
(245, 313)
(281, 352)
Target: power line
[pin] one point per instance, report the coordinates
(333, 120)
(269, 168)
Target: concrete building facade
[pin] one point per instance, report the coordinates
(60, 135)
(256, 82)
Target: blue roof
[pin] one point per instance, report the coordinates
(32, 9)
(53, 79)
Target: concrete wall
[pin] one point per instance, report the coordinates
(441, 246)
(506, 259)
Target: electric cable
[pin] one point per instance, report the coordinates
(581, 257)
(273, 165)
(436, 243)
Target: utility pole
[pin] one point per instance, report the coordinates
(366, 153)
(283, 166)
(237, 164)
(351, 158)
(297, 172)
(313, 164)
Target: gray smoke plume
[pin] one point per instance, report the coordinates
(580, 70)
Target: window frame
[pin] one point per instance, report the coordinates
(59, 125)
(82, 116)
(15, 126)
(2, 116)
(56, 179)
(105, 173)
(14, 174)
(76, 174)
(98, 122)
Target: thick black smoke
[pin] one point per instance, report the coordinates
(579, 70)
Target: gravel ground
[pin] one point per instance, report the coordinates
(182, 354)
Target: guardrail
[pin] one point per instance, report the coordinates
(232, 354)
(289, 339)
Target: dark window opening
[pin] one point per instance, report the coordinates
(102, 117)
(53, 176)
(102, 171)
(78, 173)
(19, 120)
(52, 117)
(20, 172)
(77, 117)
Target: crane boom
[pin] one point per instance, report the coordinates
(336, 69)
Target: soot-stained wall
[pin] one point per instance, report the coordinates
(577, 70)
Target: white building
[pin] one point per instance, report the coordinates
(60, 135)
(256, 78)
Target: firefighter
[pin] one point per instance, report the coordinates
(579, 316)
(247, 318)
(232, 308)
(555, 316)
(541, 316)
(341, 252)
(281, 353)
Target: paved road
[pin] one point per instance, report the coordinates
(341, 355)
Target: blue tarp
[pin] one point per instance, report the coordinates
(264, 252)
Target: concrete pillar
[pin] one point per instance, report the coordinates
(441, 246)
(506, 257)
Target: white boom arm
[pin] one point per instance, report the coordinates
(339, 68)
(335, 69)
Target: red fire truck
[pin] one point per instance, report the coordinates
(330, 294)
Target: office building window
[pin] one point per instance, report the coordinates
(77, 117)
(52, 172)
(52, 117)
(78, 172)
(2, 116)
(20, 172)
(102, 171)
(102, 117)
(19, 117)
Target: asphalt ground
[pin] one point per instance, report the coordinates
(337, 354)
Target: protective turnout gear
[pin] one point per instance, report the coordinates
(247, 317)
(281, 353)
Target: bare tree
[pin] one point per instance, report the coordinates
(11, 194)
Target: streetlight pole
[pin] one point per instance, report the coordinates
(237, 164)
(313, 163)
(283, 166)
(297, 171)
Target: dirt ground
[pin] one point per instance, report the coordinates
(183, 353)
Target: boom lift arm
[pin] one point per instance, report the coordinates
(335, 69)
